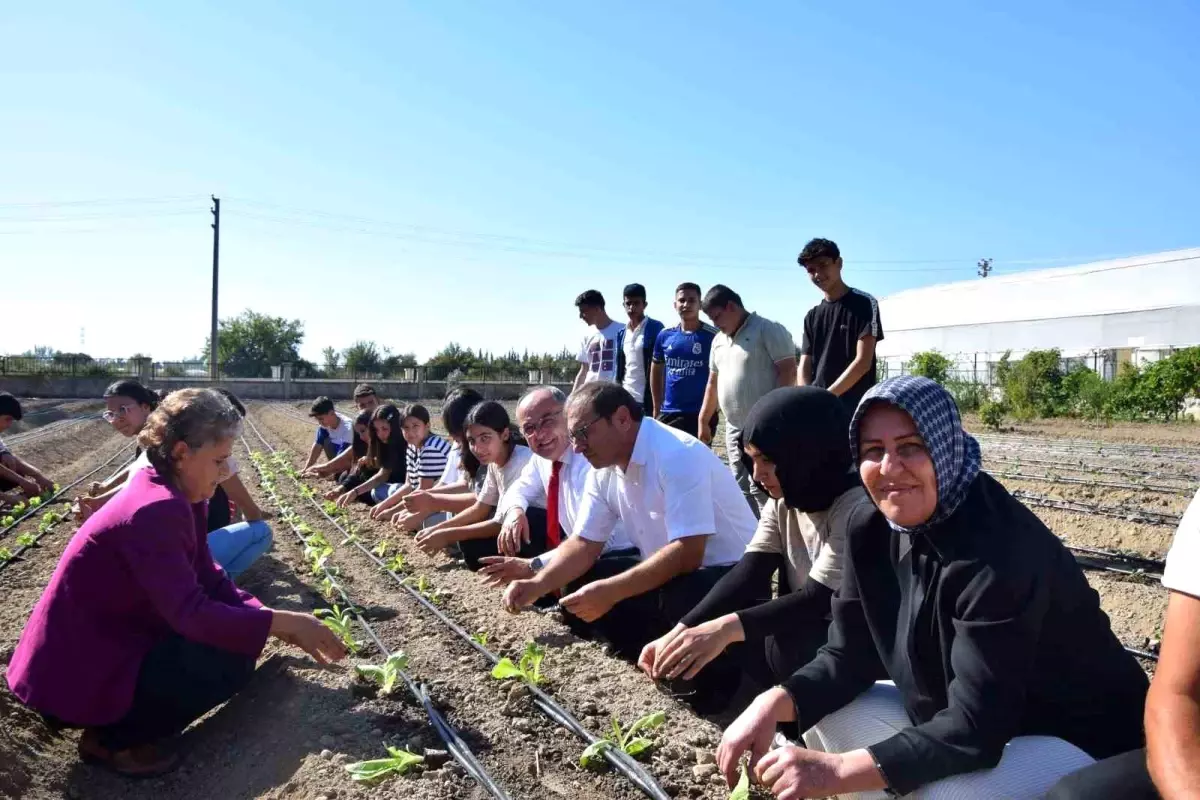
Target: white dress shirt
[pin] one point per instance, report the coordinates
(674, 487)
(533, 484)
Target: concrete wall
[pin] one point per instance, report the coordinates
(257, 388)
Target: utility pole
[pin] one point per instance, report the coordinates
(216, 226)
(985, 268)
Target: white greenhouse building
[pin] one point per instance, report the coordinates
(1102, 315)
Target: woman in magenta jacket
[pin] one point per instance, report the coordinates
(139, 633)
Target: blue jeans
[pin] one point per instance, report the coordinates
(235, 547)
(385, 490)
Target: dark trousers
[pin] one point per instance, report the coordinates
(219, 514)
(352, 480)
(475, 549)
(6, 485)
(179, 681)
(686, 421)
(1124, 776)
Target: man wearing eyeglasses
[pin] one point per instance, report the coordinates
(554, 480)
(679, 505)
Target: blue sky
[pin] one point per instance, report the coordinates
(420, 173)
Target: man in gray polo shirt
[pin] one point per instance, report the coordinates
(750, 357)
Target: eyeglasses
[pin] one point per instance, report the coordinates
(542, 425)
(109, 416)
(580, 434)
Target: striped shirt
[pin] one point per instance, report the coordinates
(427, 461)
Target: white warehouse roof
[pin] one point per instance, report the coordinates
(1144, 301)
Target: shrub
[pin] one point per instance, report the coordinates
(991, 413)
(1086, 394)
(1033, 386)
(1159, 390)
(967, 394)
(932, 365)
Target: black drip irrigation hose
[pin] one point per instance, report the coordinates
(1034, 477)
(1096, 469)
(58, 426)
(621, 761)
(1140, 561)
(454, 743)
(54, 498)
(1117, 512)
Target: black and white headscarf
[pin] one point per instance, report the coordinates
(955, 453)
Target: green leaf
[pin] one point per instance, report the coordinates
(404, 759)
(34, 502)
(593, 756)
(742, 790)
(647, 723)
(5, 555)
(370, 671)
(506, 669)
(637, 746)
(370, 771)
(27, 539)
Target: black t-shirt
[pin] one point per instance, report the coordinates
(831, 334)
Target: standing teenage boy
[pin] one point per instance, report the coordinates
(335, 432)
(14, 472)
(750, 357)
(599, 356)
(840, 332)
(679, 371)
(637, 345)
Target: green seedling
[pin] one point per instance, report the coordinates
(385, 674)
(27, 540)
(480, 638)
(742, 790)
(331, 508)
(5, 555)
(382, 548)
(19, 508)
(340, 621)
(8, 521)
(627, 741)
(395, 563)
(328, 590)
(34, 502)
(307, 492)
(399, 762)
(529, 667)
(426, 590)
(52, 517)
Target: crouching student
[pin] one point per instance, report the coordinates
(138, 633)
(678, 504)
(497, 445)
(455, 490)
(335, 433)
(797, 441)
(1004, 672)
(359, 468)
(385, 455)
(425, 456)
(15, 473)
(127, 406)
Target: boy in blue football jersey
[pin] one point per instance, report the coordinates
(679, 367)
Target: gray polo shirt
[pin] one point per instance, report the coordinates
(745, 366)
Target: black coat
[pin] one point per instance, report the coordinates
(989, 630)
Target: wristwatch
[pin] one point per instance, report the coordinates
(536, 563)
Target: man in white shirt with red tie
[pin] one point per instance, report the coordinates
(679, 505)
(554, 479)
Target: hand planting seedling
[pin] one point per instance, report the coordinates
(742, 790)
(340, 621)
(529, 667)
(480, 638)
(627, 741)
(400, 762)
(27, 540)
(386, 674)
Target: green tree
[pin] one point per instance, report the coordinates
(932, 365)
(362, 357)
(454, 356)
(331, 359)
(249, 344)
(394, 362)
(1033, 386)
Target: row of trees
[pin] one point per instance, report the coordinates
(1038, 385)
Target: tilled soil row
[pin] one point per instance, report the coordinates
(591, 684)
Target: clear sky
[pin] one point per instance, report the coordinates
(424, 172)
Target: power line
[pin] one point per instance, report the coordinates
(106, 201)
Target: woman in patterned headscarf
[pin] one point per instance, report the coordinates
(1004, 672)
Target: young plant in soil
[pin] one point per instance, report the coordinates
(627, 741)
(6, 555)
(382, 548)
(742, 790)
(529, 667)
(340, 621)
(396, 563)
(34, 502)
(480, 638)
(398, 763)
(386, 674)
(27, 540)
(328, 591)
(18, 509)
(8, 521)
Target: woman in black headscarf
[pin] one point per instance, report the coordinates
(1005, 674)
(796, 444)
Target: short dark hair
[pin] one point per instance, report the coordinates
(10, 406)
(634, 290)
(721, 295)
(322, 405)
(363, 390)
(233, 401)
(591, 298)
(456, 406)
(605, 397)
(415, 410)
(688, 286)
(818, 248)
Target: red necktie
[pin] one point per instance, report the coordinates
(552, 537)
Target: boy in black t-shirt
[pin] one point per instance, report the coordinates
(840, 332)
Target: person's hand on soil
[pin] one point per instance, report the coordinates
(419, 502)
(309, 634)
(520, 594)
(649, 654)
(84, 508)
(503, 570)
(333, 493)
(590, 602)
(45, 483)
(795, 772)
(514, 533)
(432, 541)
(346, 499)
(694, 647)
(752, 731)
(407, 522)
(94, 488)
(380, 513)
(29, 487)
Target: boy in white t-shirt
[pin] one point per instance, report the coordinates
(600, 355)
(335, 432)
